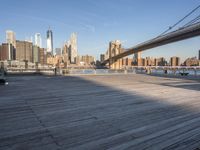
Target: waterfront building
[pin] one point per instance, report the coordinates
(199, 54)
(24, 51)
(88, 60)
(160, 61)
(7, 52)
(36, 54)
(4, 51)
(191, 62)
(38, 40)
(137, 60)
(54, 60)
(50, 41)
(149, 61)
(128, 62)
(50, 60)
(45, 56)
(175, 61)
(42, 56)
(10, 38)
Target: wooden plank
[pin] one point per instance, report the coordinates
(99, 112)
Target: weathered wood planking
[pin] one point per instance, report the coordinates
(99, 112)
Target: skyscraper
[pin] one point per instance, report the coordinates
(10, 38)
(38, 40)
(73, 48)
(199, 54)
(50, 41)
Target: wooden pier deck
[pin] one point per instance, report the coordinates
(99, 112)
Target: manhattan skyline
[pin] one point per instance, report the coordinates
(97, 23)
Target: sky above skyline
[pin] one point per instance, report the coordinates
(99, 22)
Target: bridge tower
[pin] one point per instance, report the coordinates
(115, 49)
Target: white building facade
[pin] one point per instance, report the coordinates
(38, 40)
(10, 38)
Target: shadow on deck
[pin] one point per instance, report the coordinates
(98, 112)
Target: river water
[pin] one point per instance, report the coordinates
(131, 71)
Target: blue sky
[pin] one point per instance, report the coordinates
(99, 21)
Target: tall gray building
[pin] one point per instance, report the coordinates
(50, 41)
(73, 52)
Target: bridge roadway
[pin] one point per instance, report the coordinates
(178, 35)
(99, 112)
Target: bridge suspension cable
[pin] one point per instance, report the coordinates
(193, 21)
(189, 30)
(181, 20)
